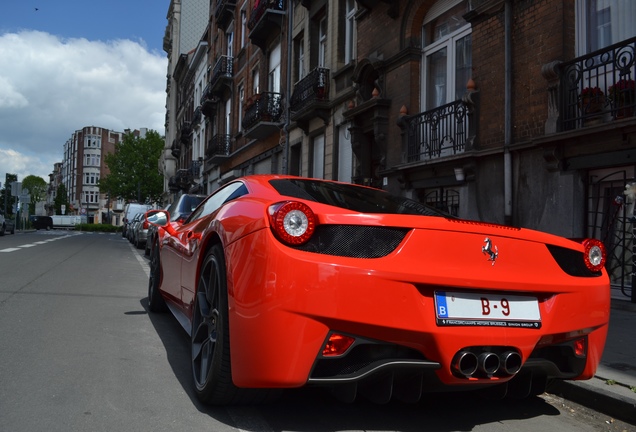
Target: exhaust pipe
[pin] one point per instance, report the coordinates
(465, 363)
(511, 362)
(488, 363)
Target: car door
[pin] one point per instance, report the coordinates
(191, 237)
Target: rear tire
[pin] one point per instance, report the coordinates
(156, 302)
(211, 365)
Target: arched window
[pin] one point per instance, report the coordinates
(447, 53)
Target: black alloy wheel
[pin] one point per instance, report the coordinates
(211, 366)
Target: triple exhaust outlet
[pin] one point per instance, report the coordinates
(486, 364)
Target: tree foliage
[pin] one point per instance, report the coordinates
(134, 174)
(37, 189)
(61, 198)
(6, 200)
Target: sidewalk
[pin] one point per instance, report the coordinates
(613, 390)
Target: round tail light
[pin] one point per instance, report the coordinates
(594, 254)
(293, 222)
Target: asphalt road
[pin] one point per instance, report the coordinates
(79, 352)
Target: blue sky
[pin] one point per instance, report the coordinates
(103, 20)
(76, 63)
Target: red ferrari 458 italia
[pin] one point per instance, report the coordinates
(286, 282)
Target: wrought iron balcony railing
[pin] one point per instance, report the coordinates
(261, 8)
(222, 71)
(440, 132)
(267, 107)
(313, 87)
(597, 87)
(218, 147)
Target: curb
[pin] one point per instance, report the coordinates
(596, 398)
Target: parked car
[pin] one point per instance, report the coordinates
(130, 231)
(42, 222)
(9, 226)
(6, 225)
(286, 282)
(130, 210)
(140, 231)
(179, 211)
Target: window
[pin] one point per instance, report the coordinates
(243, 28)
(228, 116)
(447, 55)
(345, 155)
(318, 157)
(273, 79)
(229, 39)
(255, 81)
(220, 197)
(300, 58)
(601, 23)
(350, 31)
(322, 42)
(241, 101)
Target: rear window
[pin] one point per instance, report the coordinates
(352, 197)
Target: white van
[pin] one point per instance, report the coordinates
(130, 210)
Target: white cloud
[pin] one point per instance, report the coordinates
(50, 87)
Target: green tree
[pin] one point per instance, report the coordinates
(61, 198)
(134, 175)
(37, 189)
(7, 201)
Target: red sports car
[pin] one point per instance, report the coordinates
(285, 282)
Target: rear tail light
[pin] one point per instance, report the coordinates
(594, 254)
(293, 222)
(337, 345)
(580, 347)
(145, 226)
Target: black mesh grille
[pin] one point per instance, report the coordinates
(354, 241)
(571, 261)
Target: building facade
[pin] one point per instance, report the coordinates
(81, 169)
(517, 112)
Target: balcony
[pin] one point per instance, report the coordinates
(262, 117)
(593, 89)
(186, 133)
(310, 98)
(196, 117)
(218, 149)
(437, 133)
(221, 76)
(209, 102)
(224, 12)
(268, 14)
(175, 149)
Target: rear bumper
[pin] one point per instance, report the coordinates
(284, 303)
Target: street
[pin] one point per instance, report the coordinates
(80, 352)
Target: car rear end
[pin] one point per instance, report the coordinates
(412, 303)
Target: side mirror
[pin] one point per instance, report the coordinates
(159, 218)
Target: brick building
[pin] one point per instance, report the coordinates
(518, 112)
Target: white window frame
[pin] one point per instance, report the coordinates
(322, 42)
(622, 16)
(448, 42)
(350, 31)
(273, 78)
(318, 157)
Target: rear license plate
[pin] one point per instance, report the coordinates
(490, 310)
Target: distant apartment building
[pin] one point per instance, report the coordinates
(81, 169)
(55, 180)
